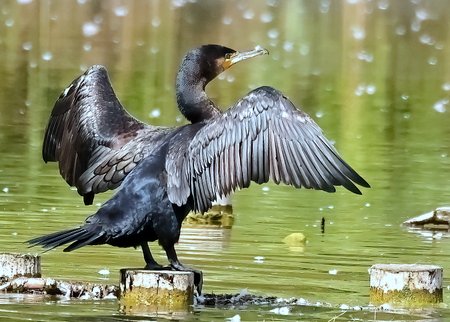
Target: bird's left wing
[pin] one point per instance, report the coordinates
(264, 136)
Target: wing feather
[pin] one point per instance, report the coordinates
(262, 137)
(92, 136)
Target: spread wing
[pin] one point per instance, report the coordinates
(262, 137)
(95, 141)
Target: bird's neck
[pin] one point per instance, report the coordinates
(193, 101)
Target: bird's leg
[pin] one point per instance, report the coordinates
(150, 262)
(176, 265)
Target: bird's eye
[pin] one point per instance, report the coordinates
(228, 56)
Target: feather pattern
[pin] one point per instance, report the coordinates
(96, 142)
(263, 137)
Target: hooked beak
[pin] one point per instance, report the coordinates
(243, 55)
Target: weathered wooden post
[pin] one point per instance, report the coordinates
(15, 265)
(405, 284)
(156, 291)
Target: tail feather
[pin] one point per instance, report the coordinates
(78, 237)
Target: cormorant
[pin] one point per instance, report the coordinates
(166, 172)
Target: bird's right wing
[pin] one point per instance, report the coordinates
(91, 135)
(264, 136)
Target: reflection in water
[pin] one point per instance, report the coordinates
(374, 75)
(206, 238)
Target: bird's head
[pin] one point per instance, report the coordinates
(200, 66)
(214, 59)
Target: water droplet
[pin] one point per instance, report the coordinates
(24, 1)
(259, 259)
(87, 47)
(9, 22)
(304, 49)
(156, 22)
(415, 25)
(368, 89)
(121, 11)
(265, 188)
(98, 19)
(47, 56)
(426, 39)
(5, 189)
(440, 106)
(383, 4)
(230, 78)
(227, 20)
(27, 46)
(367, 204)
(432, 61)
(446, 86)
(371, 89)
(359, 91)
(324, 6)
(81, 1)
(333, 271)
(405, 97)
(406, 116)
(288, 46)
(273, 33)
(319, 114)
(155, 113)
(248, 14)
(266, 17)
(365, 56)
(400, 30)
(439, 45)
(104, 271)
(90, 29)
(422, 14)
(358, 33)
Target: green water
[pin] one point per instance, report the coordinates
(375, 75)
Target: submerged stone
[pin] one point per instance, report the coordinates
(295, 239)
(438, 219)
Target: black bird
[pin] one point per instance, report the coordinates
(166, 172)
